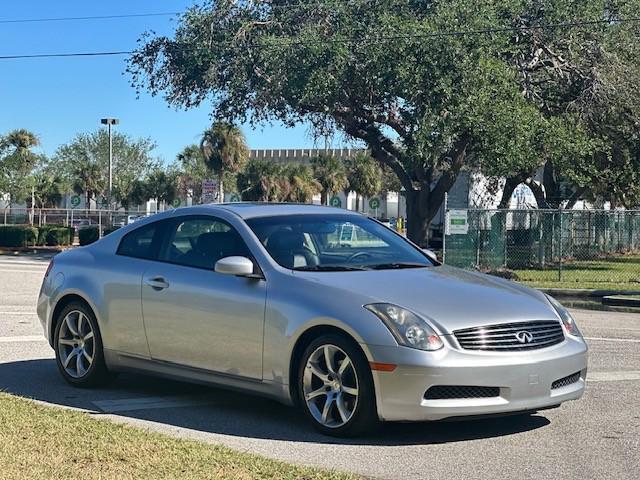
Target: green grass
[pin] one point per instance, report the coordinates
(614, 273)
(41, 442)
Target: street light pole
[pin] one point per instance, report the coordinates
(108, 122)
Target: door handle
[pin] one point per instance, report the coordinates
(157, 283)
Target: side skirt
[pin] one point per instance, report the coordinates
(124, 362)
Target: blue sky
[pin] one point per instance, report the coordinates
(59, 97)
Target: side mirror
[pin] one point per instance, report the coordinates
(430, 254)
(238, 266)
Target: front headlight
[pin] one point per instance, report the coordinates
(568, 322)
(408, 329)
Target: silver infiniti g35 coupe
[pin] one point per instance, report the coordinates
(310, 305)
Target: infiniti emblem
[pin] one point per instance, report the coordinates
(524, 336)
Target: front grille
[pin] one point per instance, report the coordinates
(509, 337)
(563, 382)
(443, 392)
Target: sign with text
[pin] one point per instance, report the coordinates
(457, 222)
(210, 190)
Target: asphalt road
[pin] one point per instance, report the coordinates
(596, 437)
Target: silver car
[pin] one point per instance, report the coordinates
(309, 305)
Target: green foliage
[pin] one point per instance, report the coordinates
(262, 181)
(265, 181)
(364, 175)
(300, 184)
(426, 105)
(59, 236)
(85, 164)
(53, 235)
(17, 161)
(109, 230)
(224, 150)
(159, 184)
(191, 170)
(49, 185)
(88, 235)
(18, 235)
(331, 174)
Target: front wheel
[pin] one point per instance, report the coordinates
(335, 387)
(78, 347)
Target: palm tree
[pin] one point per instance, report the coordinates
(365, 176)
(224, 149)
(301, 184)
(17, 162)
(262, 181)
(331, 173)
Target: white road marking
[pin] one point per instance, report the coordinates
(605, 339)
(613, 376)
(39, 272)
(18, 262)
(150, 403)
(23, 339)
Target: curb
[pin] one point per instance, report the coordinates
(30, 250)
(621, 301)
(585, 293)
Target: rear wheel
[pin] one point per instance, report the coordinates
(335, 387)
(78, 346)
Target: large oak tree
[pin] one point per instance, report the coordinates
(427, 100)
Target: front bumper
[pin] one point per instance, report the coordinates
(524, 380)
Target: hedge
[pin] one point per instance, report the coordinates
(18, 235)
(53, 235)
(59, 236)
(109, 230)
(87, 235)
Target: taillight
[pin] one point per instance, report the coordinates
(46, 274)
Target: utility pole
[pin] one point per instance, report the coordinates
(108, 122)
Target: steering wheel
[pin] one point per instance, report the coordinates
(355, 255)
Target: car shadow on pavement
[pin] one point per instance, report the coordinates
(237, 414)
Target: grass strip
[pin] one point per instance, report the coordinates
(41, 442)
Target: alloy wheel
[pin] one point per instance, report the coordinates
(76, 344)
(330, 386)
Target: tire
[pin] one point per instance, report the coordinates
(78, 347)
(348, 387)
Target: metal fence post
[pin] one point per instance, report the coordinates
(504, 235)
(444, 228)
(560, 247)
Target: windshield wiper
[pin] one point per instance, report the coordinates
(330, 268)
(396, 265)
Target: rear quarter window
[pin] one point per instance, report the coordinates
(143, 242)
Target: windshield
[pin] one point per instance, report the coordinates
(334, 243)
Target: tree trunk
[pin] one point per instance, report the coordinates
(357, 202)
(323, 197)
(417, 223)
(510, 186)
(538, 193)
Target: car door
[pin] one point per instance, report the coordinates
(196, 317)
(120, 275)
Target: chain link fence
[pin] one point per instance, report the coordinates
(69, 217)
(548, 248)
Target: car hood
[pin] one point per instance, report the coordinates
(450, 298)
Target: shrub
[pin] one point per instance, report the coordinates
(109, 230)
(18, 235)
(62, 235)
(58, 236)
(87, 235)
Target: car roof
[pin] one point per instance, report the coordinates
(248, 210)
